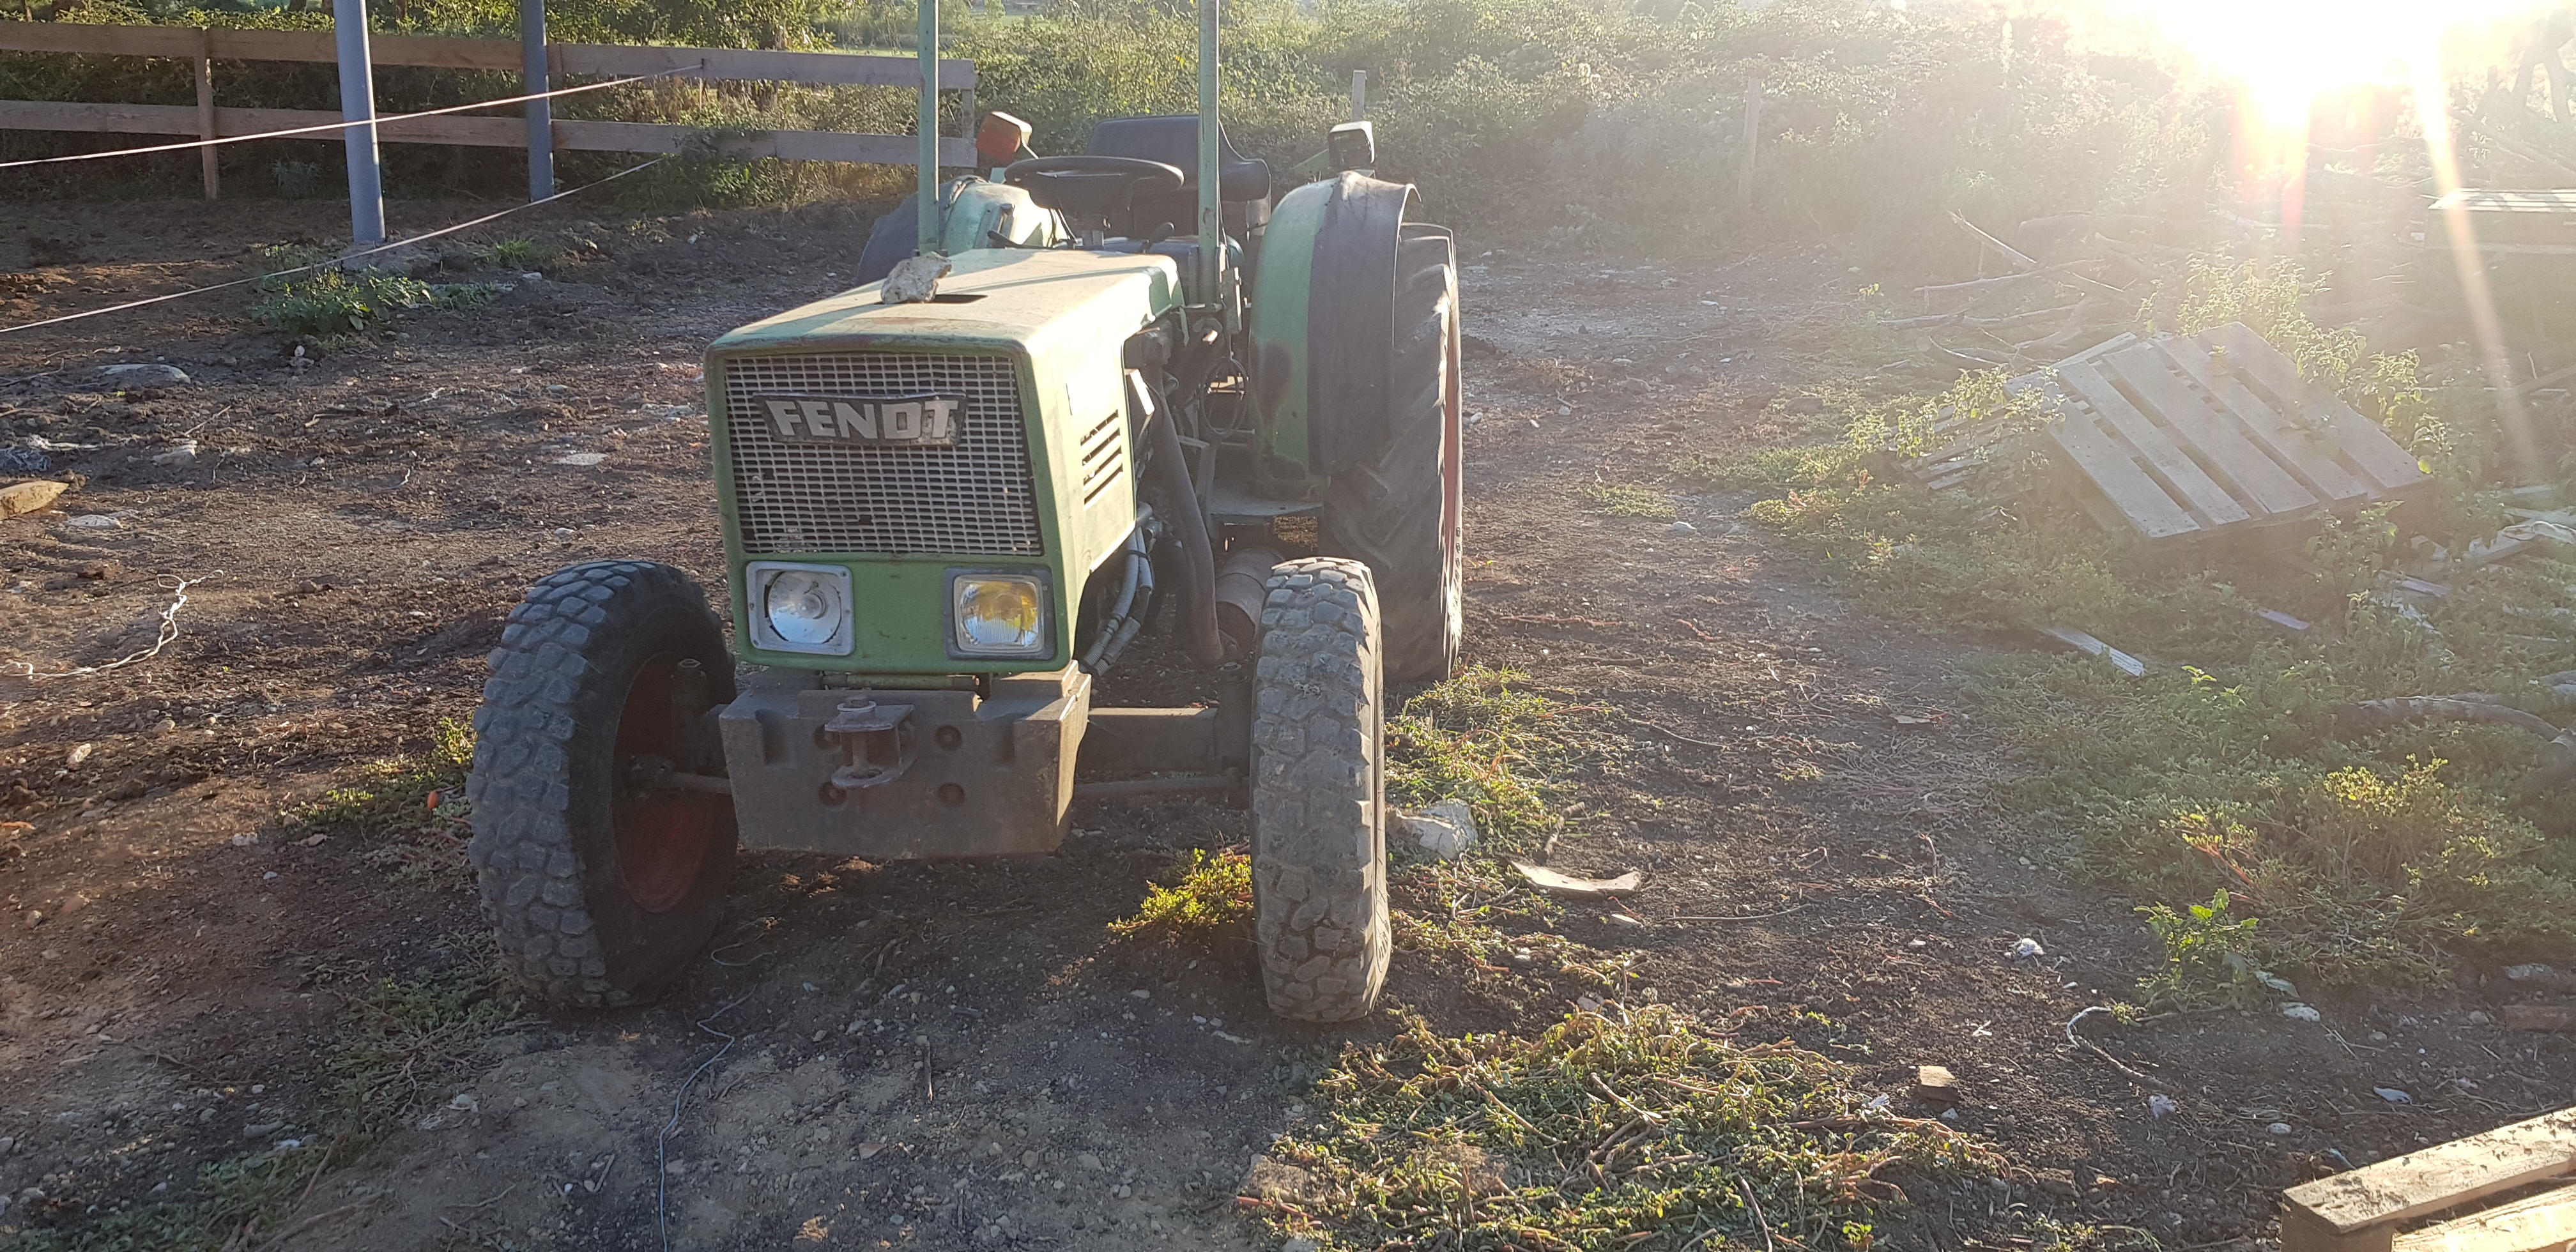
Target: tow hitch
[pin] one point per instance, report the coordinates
(875, 740)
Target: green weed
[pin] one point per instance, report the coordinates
(393, 795)
(2209, 961)
(518, 254)
(1478, 738)
(1611, 1129)
(330, 304)
(1212, 895)
(1619, 500)
(405, 1042)
(408, 809)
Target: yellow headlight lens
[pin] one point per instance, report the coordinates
(1000, 615)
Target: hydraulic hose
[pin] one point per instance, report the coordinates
(1124, 618)
(1198, 558)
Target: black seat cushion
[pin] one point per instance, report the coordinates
(1174, 140)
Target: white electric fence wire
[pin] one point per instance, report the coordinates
(169, 631)
(330, 264)
(331, 126)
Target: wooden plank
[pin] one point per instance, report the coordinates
(604, 60)
(282, 45)
(437, 53)
(2539, 1223)
(2308, 456)
(2547, 1017)
(2181, 479)
(177, 42)
(113, 119)
(2379, 458)
(792, 145)
(2249, 472)
(2303, 1233)
(2422, 1183)
(483, 132)
(2087, 644)
(2140, 500)
(821, 68)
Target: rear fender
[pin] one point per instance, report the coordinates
(1323, 325)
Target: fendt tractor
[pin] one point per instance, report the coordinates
(954, 495)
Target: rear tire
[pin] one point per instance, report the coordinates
(895, 236)
(1400, 509)
(1319, 907)
(598, 892)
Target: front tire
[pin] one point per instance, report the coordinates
(1319, 907)
(1401, 509)
(598, 891)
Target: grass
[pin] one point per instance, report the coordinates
(1610, 1129)
(1480, 737)
(1485, 738)
(518, 254)
(403, 1044)
(1619, 500)
(1213, 895)
(2385, 858)
(333, 304)
(408, 809)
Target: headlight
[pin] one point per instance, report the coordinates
(998, 614)
(801, 608)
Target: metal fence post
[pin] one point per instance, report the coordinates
(358, 104)
(927, 32)
(1752, 148)
(1211, 206)
(541, 114)
(206, 105)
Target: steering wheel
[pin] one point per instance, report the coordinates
(1141, 175)
(1091, 186)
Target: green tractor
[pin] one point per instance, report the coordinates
(953, 496)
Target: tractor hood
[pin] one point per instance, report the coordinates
(1005, 299)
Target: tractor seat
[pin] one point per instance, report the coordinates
(1174, 140)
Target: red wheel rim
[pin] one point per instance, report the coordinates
(662, 836)
(1453, 457)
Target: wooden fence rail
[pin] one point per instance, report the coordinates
(204, 46)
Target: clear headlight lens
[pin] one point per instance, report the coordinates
(999, 614)
(802, 608)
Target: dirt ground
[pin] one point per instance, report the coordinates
(956, 1055)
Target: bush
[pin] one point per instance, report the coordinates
(1587, 123)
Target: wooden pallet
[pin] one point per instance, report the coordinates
(2180, 439)
(2361, 1210)
(2511, 221)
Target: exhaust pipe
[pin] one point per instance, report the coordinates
(1198, 558)
(1240, 588)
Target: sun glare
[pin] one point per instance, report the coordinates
(2288, 52)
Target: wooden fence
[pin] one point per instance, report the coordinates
(204, 47)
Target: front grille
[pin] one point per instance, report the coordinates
(976, 497)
